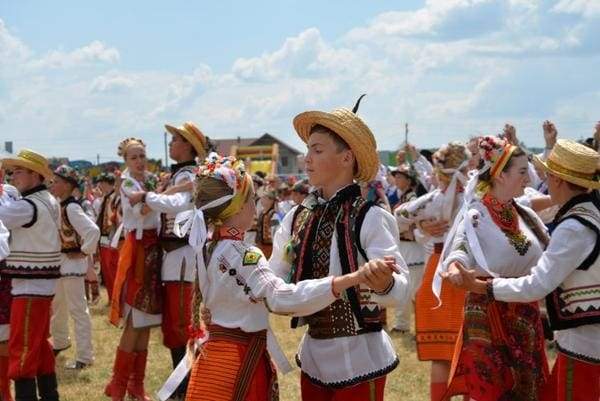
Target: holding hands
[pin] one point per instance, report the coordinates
(463, 278)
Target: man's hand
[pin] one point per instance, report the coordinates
(434, 228)
(510, 134)
(459, 276)
(377, 274)
(136, 197)
(550, 134)
(75, 255)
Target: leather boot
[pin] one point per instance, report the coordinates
(25, 390)
(135, 387)
(123, 366)
(48, 387)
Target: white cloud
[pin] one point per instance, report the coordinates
(587, 8)
(451, 68)
(95, 52)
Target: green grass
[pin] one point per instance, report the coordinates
(409, 382)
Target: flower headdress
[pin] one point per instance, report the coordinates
(233, 173)
(126, 143)
(68, 174)
(495, 153)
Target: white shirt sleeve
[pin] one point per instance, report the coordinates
(4, 249)
(571, 243)
(173, 203)
(85, 227)
(278, 263)
(379, 237)
(301, 299)
(17, 214)
(460, 249)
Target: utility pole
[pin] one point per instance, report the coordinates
(97, 159)
(166, 151)
(406, 133)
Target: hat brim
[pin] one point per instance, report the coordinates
(17, 162)
(362, 145)
(582, 182)
(196, 142)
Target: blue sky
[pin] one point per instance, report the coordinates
(75, 79)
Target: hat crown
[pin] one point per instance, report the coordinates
(33, 157)
(574, 157)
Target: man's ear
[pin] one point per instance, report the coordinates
(349, 158)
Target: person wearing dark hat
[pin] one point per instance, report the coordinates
(179, 260)
(34, 267)
(108, 255)
(300, 191)
(345, 354)
(266, 217)
(406, 181)
(79, 237)
(567, 274)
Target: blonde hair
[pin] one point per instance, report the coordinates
(128, 142)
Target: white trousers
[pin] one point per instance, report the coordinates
(70, 300)
(403, 312)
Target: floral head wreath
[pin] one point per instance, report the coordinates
(495, 153)
(126, 143)
(233, 173)
(69, 174)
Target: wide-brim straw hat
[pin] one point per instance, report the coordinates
(30, 160)
(573, 162)
(352, 129)
(193, 135)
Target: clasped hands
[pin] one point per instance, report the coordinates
(464, 278)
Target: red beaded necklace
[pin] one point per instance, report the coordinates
(505, 216)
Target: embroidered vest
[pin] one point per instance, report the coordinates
(354, 313)
(103, 221)
(168, 240)
(264, 224)
(69, 238)
(576, 302)
(35, 247)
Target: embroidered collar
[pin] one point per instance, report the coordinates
(33, 190)
(589, 197)
(350, 191)
(231, 233)
(178, 166)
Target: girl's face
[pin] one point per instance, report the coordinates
(514, 180)
(247, 214)
(402, 182)
(135, 159)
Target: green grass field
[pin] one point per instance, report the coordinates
(409, 382)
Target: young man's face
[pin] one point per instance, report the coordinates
(24, 179)
(61, 188)
(179, 148)
(324, 161)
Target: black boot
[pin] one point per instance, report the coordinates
(25, 390)
(48, 387)
(177, 354)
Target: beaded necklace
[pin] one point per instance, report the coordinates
(506, 218)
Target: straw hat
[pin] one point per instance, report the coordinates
(193, 135)
(573, 162)
(352, 129)
(30, 160)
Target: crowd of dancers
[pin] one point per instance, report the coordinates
(471, 238)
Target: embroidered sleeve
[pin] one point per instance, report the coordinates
(379, 237)
(569, 245)
(304, 298)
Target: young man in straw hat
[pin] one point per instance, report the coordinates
(567, 274)
(346, 354)
(34, 267)
(79, 237)
(179, 261)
